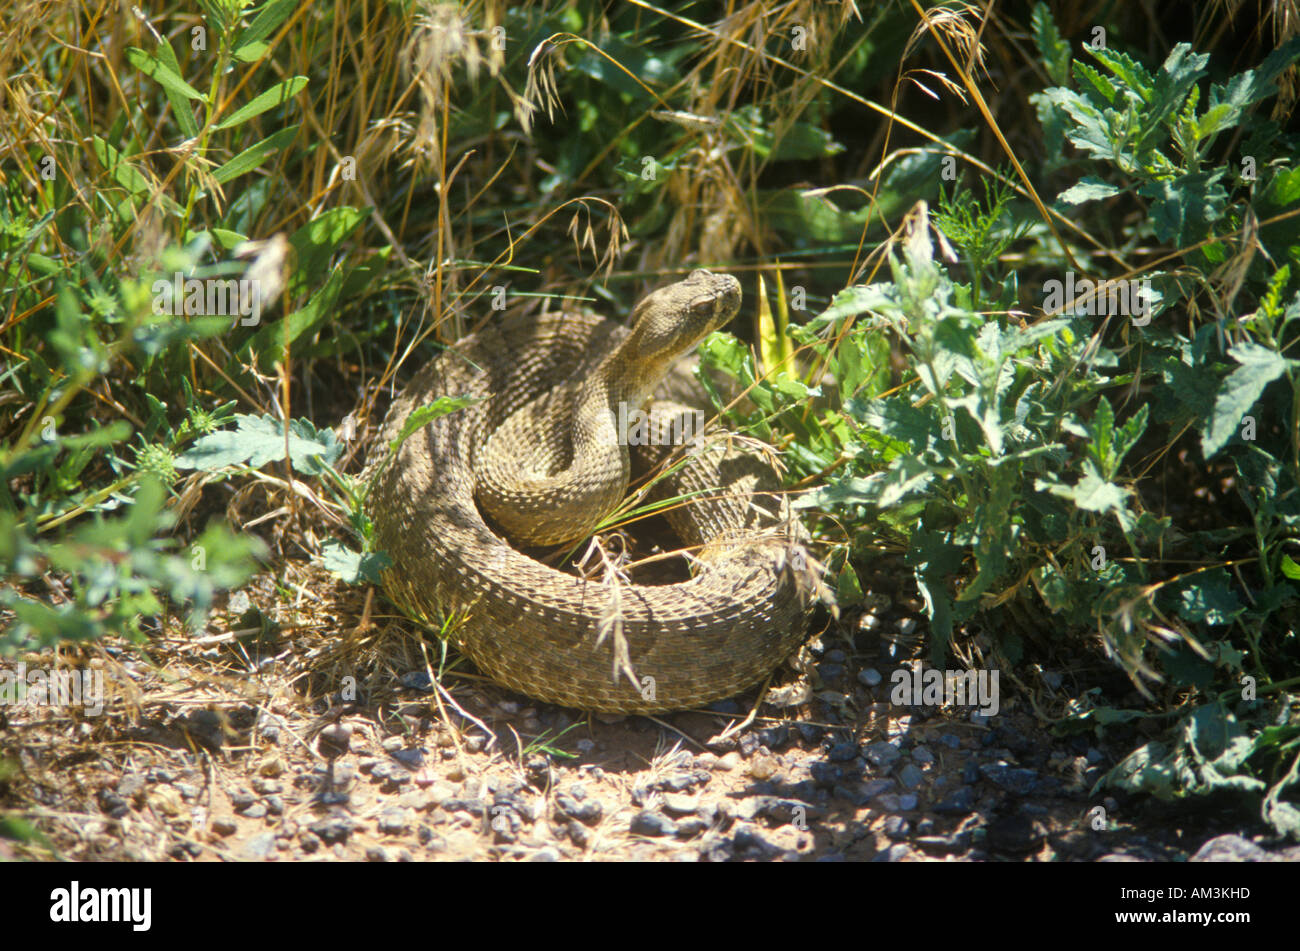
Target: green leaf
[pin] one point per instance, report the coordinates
(257, 440)
(848, 589)
(1091, 129)
(1052, 48)
(315, 241)
(1129, 71)
(128, 175)
(422, 415)
(1183, 208)
(180, 102)
(1284, 188)
(353, 567)
(1260, 366)
(1254, 85)
(1207, 598)
(904, 479)
(161, 73)
(277, 95)
(851, 302)
(1088, 189)
(249, 47)
(1289, 568)
(254, 155)
(272, 338)
(1178, 75)
(1091, 493)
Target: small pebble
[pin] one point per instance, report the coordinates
(650, 823)
(896, 827)
(259, 846)
(678, 804)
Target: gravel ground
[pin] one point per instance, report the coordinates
(207, 762)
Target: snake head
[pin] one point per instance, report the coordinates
(672, 320)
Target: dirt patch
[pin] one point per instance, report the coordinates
(311, 728)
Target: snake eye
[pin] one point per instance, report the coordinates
(702, 307)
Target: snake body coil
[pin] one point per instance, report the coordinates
(542, 453)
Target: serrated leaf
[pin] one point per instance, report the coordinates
(257, 440)
(1254, 85)
(1184, 208)
(1243, 387)
(277, 95)
(1178, 74)
(1052, 47)
(903, 479)
(1091, 493)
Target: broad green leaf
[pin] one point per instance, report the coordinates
(353, 567)
(1260, 366)
(1178, 74)
(257, 440)
(1285, 188)
(1254, 85)
(1091, 130)
(1091, 493)
(277, 95)
(1127, 70)
(1183, 209)
(1207, 598)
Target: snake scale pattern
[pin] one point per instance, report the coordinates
(469, 502)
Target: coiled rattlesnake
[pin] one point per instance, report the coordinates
(542, 453)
